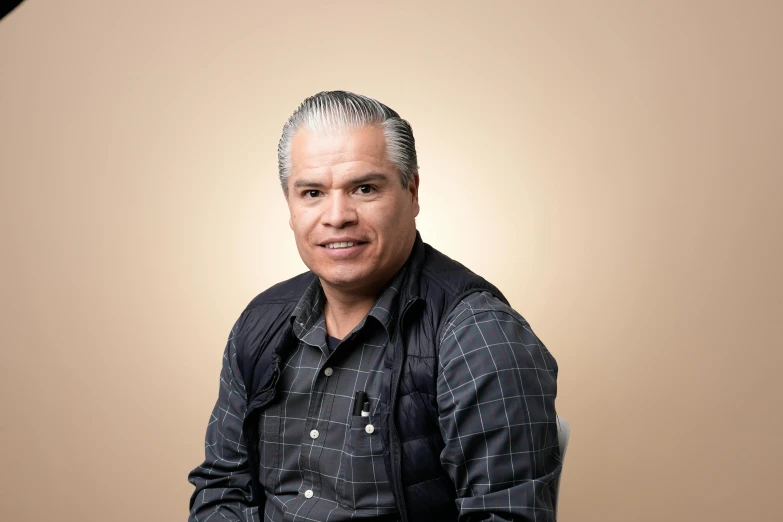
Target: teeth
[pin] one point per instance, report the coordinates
(344, 244)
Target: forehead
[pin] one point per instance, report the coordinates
(315, 150)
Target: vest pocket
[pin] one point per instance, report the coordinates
(362, 482)
(269, 447)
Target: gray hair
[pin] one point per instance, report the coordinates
(336, 110)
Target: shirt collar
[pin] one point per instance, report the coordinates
(309, 309)
(387, 304)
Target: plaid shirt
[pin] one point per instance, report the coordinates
(496, 389)
(318, 460)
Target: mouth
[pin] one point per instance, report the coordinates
(343, 250)
(339, 245)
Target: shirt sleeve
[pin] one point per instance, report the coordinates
(496, 403)
(223, 485)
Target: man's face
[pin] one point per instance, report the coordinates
(342, 189)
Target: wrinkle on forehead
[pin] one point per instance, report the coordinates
(328, 150)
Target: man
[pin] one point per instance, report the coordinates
(389, 381)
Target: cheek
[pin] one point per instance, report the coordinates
(385, 215)
(397, 215)
(301, 222)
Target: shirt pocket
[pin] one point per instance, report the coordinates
(251, 514)
(269, 448)
(362, 482)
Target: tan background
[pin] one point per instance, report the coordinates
(623, 168)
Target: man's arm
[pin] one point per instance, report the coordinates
(223, 488)
(496, 402)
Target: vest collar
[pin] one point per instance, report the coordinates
(411, 287)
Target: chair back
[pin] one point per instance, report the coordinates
(563, 434)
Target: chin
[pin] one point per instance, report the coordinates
(344, 278)
(338, 279)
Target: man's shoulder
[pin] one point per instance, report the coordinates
(482, 302)
(452, 276)
(437, 264)
(448, 273)
(284, 292)
(481, 308)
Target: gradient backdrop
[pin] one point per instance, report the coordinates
(621, 160)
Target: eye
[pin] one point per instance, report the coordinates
(365, 189)
(311, 193)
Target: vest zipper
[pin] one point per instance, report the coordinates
(396, 445)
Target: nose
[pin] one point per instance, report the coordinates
(339, 211)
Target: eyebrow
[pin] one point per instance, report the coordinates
(372, 176)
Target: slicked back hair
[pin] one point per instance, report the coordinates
(330, 111)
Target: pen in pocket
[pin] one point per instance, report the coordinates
(361, 404)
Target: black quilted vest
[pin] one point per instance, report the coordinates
(433, 286)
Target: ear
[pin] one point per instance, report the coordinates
(413, 188)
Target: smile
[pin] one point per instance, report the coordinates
(344, 244)
(344, 249)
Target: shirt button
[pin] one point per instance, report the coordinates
(369, 428)
(314, 435)
(309, 493)
(328, 372)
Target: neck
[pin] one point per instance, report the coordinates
(344, 310)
